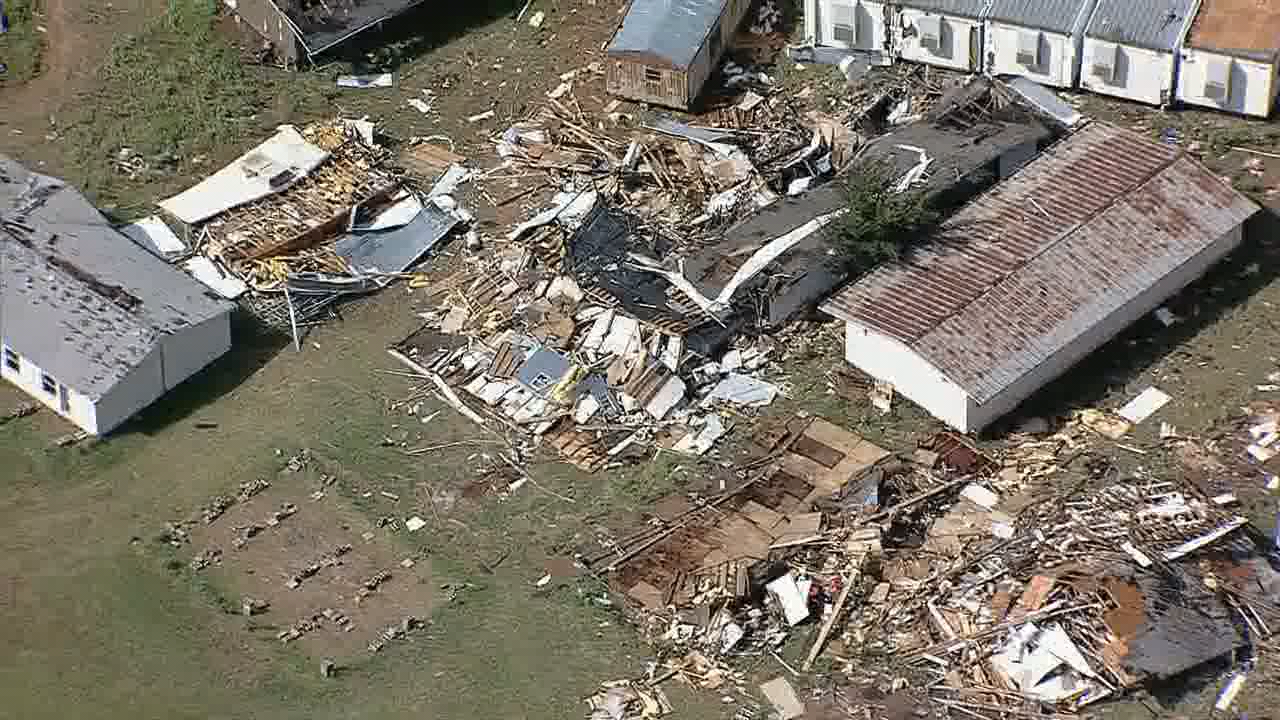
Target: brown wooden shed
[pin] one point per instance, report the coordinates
(664, 50)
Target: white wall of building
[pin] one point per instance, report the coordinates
(1056, 57)
(960, 45)
(1252, 85)
(141, 387)
(1138, 74)
(187, 352)
(887, 359)
(78, 408)
(846, 24)
(918, 380)
(983, 415)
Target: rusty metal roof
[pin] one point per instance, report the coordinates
(1025, 269)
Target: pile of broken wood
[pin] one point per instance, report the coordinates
(953, 583)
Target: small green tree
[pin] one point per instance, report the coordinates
(880, 223)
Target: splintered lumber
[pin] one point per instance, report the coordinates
(850, 575)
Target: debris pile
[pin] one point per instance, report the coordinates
(953, 581)
(306, 218)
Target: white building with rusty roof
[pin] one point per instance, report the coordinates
(1038, 272)
(1231, 58)
(91, 324)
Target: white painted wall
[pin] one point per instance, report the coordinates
(961, 47)
(81, 409)
(1058, 55)
(1252, 90)
(187, 352)
(141, 387)
(1141, 75)
(887, 359)
(982, 415)
(870, 31)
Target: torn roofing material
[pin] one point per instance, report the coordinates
(321, 26)
(1220, 26)
(283, 159)
(1025, 269)
(960, 159)
(85, 303)
(1043, 101)
(397, 249)
(1150, 24)
(670, 31)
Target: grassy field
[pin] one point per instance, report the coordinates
(98, 621)
(20, 48)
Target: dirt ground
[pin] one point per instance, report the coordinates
(103, 618)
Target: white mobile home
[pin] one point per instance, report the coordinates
(1038, 39)
(946, 33)
(1231, 57)
(1131, 48)
(91, 324)
(847, 24)
(971, 328)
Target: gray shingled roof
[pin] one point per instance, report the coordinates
(1056, 16)
(82, 301)
(1151, 24)
(962, 8)
(669, 29)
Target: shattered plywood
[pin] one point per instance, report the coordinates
(827, 456)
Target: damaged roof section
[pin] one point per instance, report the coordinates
(94, 302)
(321, 25)
(953, 159)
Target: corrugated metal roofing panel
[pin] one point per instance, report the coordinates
(962, 8)
(1152, 24)
(1017, 275)
(670, 29)
(1056, 16)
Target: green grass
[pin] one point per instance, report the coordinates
(22, 46)
(171, 92)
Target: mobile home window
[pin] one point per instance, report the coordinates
(12, 361)
(1104, 62)
(652, 75)
(930, 27)
(844, 24)
(48, 384)
(1028, 49)
(1217, 80)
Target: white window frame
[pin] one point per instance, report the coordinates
(652, 76)
(842, 18)
(1103, 63)
(47, 381)
(1217, 80)
(1029, 48)
(929, 29)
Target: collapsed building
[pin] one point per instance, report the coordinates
(299, 30)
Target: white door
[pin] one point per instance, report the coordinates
(840, 24)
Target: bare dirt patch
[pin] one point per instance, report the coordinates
(319, 567)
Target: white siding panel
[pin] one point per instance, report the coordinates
(1140, 75)
(1252, 88)
(959, 38)
(141, 387)
(869, 20)
(27, 377)
(1099, 334)
(185, 353)
(912, 376)
(1057, 55)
